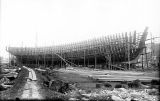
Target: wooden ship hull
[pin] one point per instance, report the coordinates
(119, 48)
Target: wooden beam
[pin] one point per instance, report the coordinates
(95, 58)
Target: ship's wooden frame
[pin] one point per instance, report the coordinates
(114, 49)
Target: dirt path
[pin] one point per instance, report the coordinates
(30, 90)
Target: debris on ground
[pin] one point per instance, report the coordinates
(7, 77)
(118, 94)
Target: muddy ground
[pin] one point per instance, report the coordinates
(62, 85)
(85, 88)
(16, 90)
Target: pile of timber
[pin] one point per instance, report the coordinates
(7, 78)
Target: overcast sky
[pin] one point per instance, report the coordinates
(64, 21)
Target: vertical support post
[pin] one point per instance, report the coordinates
(38, 59)
(36, 49)
(129, 51)
(21, 60)
(151, 49)
(64, 59)
(109, 61)
(142, 60)
(46, 64)
(106, 61)
(84, 59)
(110, 67)
(126, 47)
(52, 58)
(88, 62)
(159, 58)
(44, 59)
(61, 60)
(27, 60)
(146, 56)
(12, 60)
(24, 56)
(95, 58)
(9, 59)
(52, 55)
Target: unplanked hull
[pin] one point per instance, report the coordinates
(117, 48)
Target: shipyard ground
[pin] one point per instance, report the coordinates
(84, 84)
